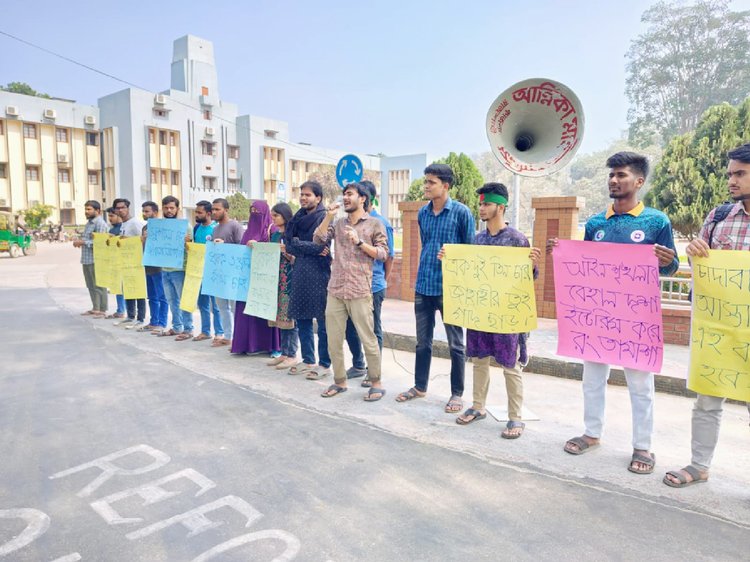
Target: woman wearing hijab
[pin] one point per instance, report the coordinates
(252, 334)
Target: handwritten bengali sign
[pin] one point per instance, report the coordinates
(193, 276)
(608, 302)
(489, 288)
(165, 244)
(720, 333)
(263, 294)
(131, 267)
(226, 271)
(102, 260)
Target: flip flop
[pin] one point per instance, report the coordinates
(336, 390)
(511, 425)
(583, 446)
(166, 333)
(184, 336)
(316, 375)
(683, 481)
(286, 364)
(650, 462)
(275, 361)
(454, 405)
(379, 392)
(202, 337)
(409, 395)
(366, 383)
(300, 368)
(477, 416)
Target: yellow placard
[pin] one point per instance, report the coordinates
(133, 273)
(196, 255)
(720, 328)
(102, 260)
(489, 288)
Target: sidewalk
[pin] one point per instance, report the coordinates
(400, 333)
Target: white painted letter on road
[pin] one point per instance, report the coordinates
(37, 523)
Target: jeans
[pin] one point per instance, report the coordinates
(641, 388)
(307, 342)
(121, 303)
(157, 302)
(173, 281)
(424, 312)
(226, 312)
(359, 311)
(207, 306)
(352, 339)
(140, 305)
(289, 339)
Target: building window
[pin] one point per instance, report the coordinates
(61, 135)
(160, 113)
(29, 131)
(209, 182)
(232, 184)
(32, 173)
(3, 173)
(2, 127)
(92, 139)
(172, 139)
(208, 148)
(63, 175)
(307, 166)
(294, 165)
(93, 178)
(269, 134)
(163, 137)
(164, 177)
(234, 151)
(175, 178)
(151, 136)
(204, 91)
(207, 114)
(153, 175)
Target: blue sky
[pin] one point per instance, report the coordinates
(393, 77)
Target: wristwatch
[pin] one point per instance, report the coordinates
(360, 243)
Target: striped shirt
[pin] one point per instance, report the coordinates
(453, 225)
(731, 233)
(96, 224)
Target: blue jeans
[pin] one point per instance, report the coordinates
(136, 304)
(120, 304)
(157, 302)
(307, 342)
(352, 339)
(207, 306)
(424, 312)
(289, 339)
(173, 281)
(226, 312)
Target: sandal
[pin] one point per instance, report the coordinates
(275, 361)
(166, 333)
(286, 364)
(333, 390)
(300, 368)
(649, 461)
(476, 415)
(220, 342)
(454, 405)
(375, 394)
(316, 375)
(513, 430)
(583, 446)
(410, 394)
(683, 481)
(366, 383)
(202, 337)
(184, 336)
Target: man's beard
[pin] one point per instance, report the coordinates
(617, 195)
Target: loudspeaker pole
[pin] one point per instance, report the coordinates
(516, 203)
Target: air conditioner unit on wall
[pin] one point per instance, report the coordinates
(67, 204)
(62, 158)
(11, 110)
(3, 202)
(89, 120)
(50, 114)
(160, 99)
(210, 131)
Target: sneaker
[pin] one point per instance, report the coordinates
(275, 354)
(133, 325)
(124, 323)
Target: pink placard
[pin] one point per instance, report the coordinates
(609, 303)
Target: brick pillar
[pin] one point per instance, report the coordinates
(411, 247)
(554, 217)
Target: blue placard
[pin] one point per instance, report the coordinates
(165, 244)
(349, 170)
(226, 271)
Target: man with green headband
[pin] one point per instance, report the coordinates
(504, 348)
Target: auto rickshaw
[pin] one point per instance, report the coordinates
(13, 239)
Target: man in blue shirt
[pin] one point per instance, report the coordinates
(441, 221)
(203, 232)
(380, 273)
(626, 221)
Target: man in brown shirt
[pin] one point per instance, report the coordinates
(360, 239)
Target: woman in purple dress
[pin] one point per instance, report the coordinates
(252, 334)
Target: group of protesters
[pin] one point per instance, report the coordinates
(340, 288)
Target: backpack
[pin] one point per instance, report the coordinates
(722, 212)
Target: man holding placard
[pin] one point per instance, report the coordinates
(157, 301)
(725, 228)
(94, 223)
(202, 233)
(503, 347)
(131, 226)
(626, 221)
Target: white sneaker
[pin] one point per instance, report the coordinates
(133, 325)
(124, 323)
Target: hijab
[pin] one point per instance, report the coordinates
(259, 224)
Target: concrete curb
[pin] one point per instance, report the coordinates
(549, 366)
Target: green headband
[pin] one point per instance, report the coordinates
(492, 198)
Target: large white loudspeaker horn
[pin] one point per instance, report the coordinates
(535, 128)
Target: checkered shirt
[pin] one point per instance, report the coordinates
(87, 250)
(731, 233)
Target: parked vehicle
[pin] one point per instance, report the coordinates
(13, 239)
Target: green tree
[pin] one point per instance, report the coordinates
(467, 180)
(690, 179)
(35, 216)
(22, 88)
(239, 206)
(689, 58)
(416, 190)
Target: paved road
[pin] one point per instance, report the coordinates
(112, 452)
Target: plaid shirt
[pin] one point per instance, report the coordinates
(453, 225)
(731, 233)
(96, 224)
(351, 271)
